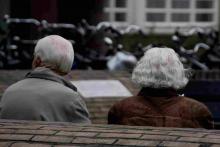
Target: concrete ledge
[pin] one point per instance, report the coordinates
(44, 134)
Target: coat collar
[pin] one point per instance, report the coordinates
(157, 92)
(47, 74)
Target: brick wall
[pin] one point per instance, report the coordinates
(42, 134)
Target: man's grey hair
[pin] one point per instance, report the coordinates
(160, 68)
(55, 51)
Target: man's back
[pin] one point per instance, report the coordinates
(43, 99)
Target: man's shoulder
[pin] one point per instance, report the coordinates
(37, 84)
(16, 85)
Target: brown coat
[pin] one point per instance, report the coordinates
(161, 108)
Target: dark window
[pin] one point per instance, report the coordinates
(155, 17)
(120, 17)
(155, 3)
(204, 17)
(120, 3)
(180, 4)
(204, 4)
(180, 17)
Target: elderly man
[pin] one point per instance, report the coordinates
(44, 94)
(160, 74)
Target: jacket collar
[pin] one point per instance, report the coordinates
(47, 74)
(157, 92)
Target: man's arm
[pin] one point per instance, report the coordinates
(79, 111)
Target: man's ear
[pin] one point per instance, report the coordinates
(36, 62)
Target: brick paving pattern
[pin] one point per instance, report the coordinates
(59, 134)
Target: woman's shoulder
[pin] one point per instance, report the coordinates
(193, 103)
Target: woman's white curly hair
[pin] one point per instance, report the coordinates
(56, 51)
(160, 68)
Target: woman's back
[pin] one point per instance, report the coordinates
(169, 110)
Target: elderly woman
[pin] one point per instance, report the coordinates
(158, 103)
(44, 95)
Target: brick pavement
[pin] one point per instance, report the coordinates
(58, 134)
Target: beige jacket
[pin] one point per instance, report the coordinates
(43, 96)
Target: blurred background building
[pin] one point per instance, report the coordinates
(100, 28)
(53, 10)
(163, 16)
